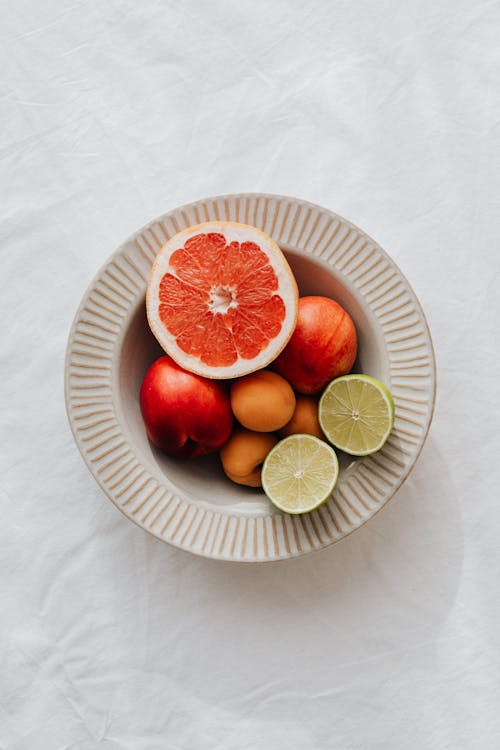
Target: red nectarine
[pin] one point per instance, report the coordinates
(323, 345)
(186, 415)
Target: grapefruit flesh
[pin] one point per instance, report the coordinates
(221, 299)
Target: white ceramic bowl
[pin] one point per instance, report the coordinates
(192, 504)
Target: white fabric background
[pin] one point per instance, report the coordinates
(114, 112)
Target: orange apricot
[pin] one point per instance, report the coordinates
(263, 401)
(304, 419)
(243, 455)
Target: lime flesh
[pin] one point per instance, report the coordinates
(299, 473)
(356, 413)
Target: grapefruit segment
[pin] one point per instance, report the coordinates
(222, 299)
(194, 263)
(210, 340)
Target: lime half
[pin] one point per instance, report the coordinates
(356, 413)
(299, 473)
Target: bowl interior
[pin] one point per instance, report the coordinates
(202, 479)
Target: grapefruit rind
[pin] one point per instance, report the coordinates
(286, 289)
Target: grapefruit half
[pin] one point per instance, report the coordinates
(222, 299)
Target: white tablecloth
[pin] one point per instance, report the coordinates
(114, 112)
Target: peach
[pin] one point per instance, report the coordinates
(186, 415)
(243, 455)
(305, 419)
(262, 401)
(323, 345)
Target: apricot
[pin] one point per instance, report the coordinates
(243, 455)
(304, 419)
(263, 401)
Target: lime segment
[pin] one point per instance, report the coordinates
(299, 473)
(356, 413)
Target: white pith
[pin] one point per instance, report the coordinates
(222, 298)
